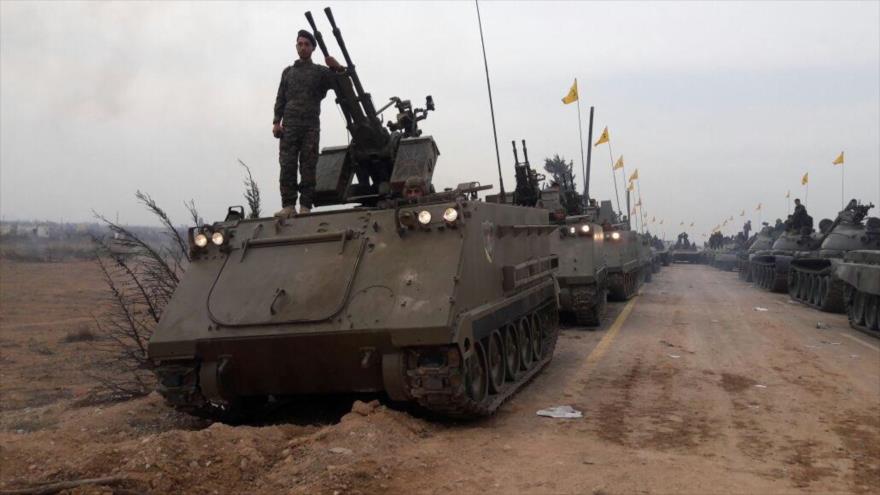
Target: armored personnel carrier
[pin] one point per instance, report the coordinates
(621, 246)
(578, 245)
(770, 268)
(434, 298)
(762, 241)
(860, 273)
(684, 251)
(646, 257)
(812, 279)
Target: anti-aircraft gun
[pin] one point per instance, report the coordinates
(528, 181)
(381, 159)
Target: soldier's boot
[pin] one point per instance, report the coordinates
(286, 212)
(304, 209)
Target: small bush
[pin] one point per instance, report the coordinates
(83, 334)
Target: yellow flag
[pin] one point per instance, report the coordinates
(758, 208)
(838, 160)
(634, 176)
(805, 179)
(742, 213)
(572, 95)
(787, 194)
(619, 163)
(603, 138)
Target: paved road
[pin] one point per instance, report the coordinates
(686, 389)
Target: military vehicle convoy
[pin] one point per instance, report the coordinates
(860, 273)
(439, 299)
(812, 279)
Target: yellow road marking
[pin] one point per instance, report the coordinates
(860, 341)
(601, 348)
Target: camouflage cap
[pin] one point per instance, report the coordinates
(307, 35)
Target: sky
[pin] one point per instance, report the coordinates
(720, 106)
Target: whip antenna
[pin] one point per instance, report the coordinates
(491, 106)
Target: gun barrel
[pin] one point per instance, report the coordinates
(318, 36)
(362, 95)
(525, 152)
(515, 156)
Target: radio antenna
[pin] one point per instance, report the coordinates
(491, 106)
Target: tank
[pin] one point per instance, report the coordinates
(770, 267)
(439, 299)
(859, 271)
(762, 241)
(812, 279)
(621, 246)
(684, 251)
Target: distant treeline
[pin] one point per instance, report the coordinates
(53, 241)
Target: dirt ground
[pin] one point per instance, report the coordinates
(686, 389)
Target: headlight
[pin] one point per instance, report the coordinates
(615, 235)
(200, 240)
(585, 229)
(572, 230)
(217, 238)
(597, 236)
(424, 217)
(450, 215)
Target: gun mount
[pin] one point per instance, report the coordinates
(381, 159)
(528, 187)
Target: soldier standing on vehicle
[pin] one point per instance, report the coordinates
(799, 218)
(296, 123)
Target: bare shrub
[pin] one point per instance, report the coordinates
(140, 285)
(251, 193)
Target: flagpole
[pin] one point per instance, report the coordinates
(614, 175)
(581, 137)
(841, 187)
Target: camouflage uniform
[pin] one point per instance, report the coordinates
(298, 107)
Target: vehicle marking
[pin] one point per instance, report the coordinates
(860, 341)
(602, 347)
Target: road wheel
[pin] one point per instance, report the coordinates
(477, 374)
(794, 279)
(813, 293)
(537, 341)
(859, 308)
(803, 288)
(495, 358)
(523, 338)
(511, 353)
(872, 308)
(822, 293)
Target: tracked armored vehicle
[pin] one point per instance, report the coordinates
(578, 245)
(646, 257)
(684, 251)
(770, 268)
(621, 246)
(437, 298)
(762, 241)
(860, 274)
(812, 279)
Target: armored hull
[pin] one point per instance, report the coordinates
(582, 271)
(693, 256)
(625, 274)
(770, 268)
(859, 272)
(455, 316)
(762, 241)
(646, 257)
(812, 279)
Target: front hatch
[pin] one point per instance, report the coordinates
(293, 279)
